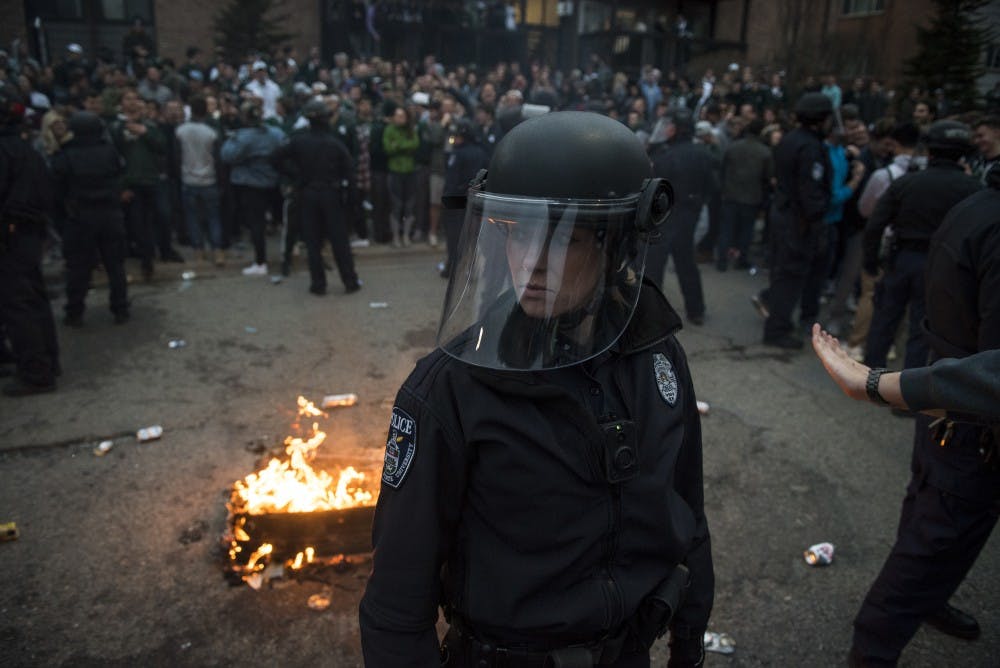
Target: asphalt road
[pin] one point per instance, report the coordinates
(118, 562)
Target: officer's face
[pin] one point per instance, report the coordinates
(553, 273)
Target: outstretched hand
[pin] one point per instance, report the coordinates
(851, 376)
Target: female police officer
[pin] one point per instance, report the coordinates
(543, 478)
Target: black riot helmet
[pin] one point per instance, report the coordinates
(86, 126)
(813, 108)
(950, 140)
(316, 110)
(554, 244)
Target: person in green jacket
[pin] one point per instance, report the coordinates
(401, 142)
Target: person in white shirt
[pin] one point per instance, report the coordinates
(261, 86)
(198, 142)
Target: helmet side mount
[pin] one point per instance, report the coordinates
(656, 200)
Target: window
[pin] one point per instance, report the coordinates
(863, 6)
(126, 10)
(58, 10)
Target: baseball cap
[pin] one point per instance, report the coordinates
(259, 65)
(73, 47)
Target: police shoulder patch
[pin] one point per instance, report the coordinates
(400, 448)
(666, 379)
(817, 171)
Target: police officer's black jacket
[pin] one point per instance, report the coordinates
(25, 189)
(315, 158)
(462, 165)
(689, 167)
(915, 204)
(802, 171)
(87, 174)
(505, 488)
(963, 317)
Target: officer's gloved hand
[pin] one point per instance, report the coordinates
(688, 652)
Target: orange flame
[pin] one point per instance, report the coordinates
(292, 485)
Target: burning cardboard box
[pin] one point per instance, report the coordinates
(288, 515)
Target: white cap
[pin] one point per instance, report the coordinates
(259, 65)
(421, 98)
(319, 87)
(702, 128)
(73, 47)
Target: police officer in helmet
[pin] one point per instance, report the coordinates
(798, 233)
(466, 158)
(87, 174)
(25, 312)
(914, 205)
(542, 479)
(324, 172)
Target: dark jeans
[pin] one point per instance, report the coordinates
(736, 229)
(141, 214)
(380, 203)
(322, 218)
(711, 237)
(677, 240)
(403, 195)
(251, 206)
(796, 255)
(200, 200)
(812, 289)
(901, 286)
(88, 236)
(451, 220)
(940, 535)
(25, 311)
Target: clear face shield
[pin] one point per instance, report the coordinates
(542, 283)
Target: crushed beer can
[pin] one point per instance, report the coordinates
(103, 448)
(703, 407)
(378, 304)
(149, 433)
(176, 343)
(250, 330)
(339, 400)
(820, 554)
(8, 531)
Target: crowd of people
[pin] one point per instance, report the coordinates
(199, 146)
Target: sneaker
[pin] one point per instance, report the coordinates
(255, 270)
(760, 305)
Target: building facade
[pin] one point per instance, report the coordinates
(844, 37)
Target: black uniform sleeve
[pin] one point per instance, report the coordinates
(813, 176)
(988, 272)
(885, 212)
(969, 385)
(412, 535)
(691, 620)
(283, 161)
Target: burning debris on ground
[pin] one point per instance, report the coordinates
(290, 520)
